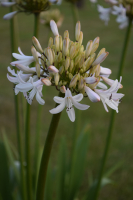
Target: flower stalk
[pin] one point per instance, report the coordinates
(111, 125)
(14, 44)
(27, 127)
(46, 154)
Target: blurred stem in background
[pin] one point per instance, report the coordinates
(27, 127)
(111, 125)
(46, 154)
(14, 46)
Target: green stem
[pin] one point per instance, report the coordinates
(14, 44)
(27, 127)
(46, 155)
(38, 131)
(111, 125)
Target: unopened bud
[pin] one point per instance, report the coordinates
(81, 83)
(71, 65)
(34, 53)
(56, 78)
(73, 81)
(61, 70)
(88, 49)
(53, 69)
(96, 40)
(66, 34)
(67, 63)
(70, 76)
(81, 50)
(50, 42)
(77, 31)
(37, 44)
(63, 89)
(56, 43)
(94, 48)
(50, 55)
(54, 27)
(101, 51)
(38, 70)
(59, 58)
(80, 38)
(60, 43)
(46, 81)
(65, 46)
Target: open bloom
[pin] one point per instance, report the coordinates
(69, 101)
(110, 96)
(104, 13)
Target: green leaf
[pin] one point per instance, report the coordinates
(78, 163)
(11, 157)
(61, 172)
(5, 185)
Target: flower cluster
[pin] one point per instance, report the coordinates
(28, 6)
(68, 67)
(123, 9)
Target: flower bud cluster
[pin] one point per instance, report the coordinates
(70, 68)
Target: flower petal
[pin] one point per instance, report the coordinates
(58, 109)
(54, 27)
(90, 80)
(10, 15)
(94, 97)
(58, 99)
(71, 114)
(79, 105)
(78, 97)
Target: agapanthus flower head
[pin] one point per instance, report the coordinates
(28, 6)
(128, 4)
(54, 14)
(69, 67)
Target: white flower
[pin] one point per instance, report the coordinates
(105, 71)
(35, 87)
(94, 97)
(22, 59)
(120, 11)
(93, 1)
(104, 13)
(110, 96)
(112, 1)
(69, 101)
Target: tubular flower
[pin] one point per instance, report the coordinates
(28, 6)
(70, 68)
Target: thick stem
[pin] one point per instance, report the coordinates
(14, 44)
(111, 125)
(27, 128)
(46, 155)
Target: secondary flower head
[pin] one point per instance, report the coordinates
(54, 14)
(28, 6)
(69, 67)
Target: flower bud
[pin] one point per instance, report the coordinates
(81, 83)
(94, 48)
(38, 69)
(50, 42)
(67, 63)
(66, 34)
(72, 51)
(101, 51)
(54, 27)
(50, 55)
(80, 38)
(53, 69)
(70, 76)
(56, 43)
(63, 89)
(96, 40)
(34, 54)
(74, 81)
(100, 59)
(81, 50)
(77, 31)
(46, 81)
(88, 48)
(60, 43)
(59, 57)
(61, 70)
(56, 78)
(37, 45)
(71, 66)
(65, 46)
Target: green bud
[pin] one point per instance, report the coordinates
(77, 30)
(56, 43)
(80, 38)
(67, 63)
(50, 55)
(56, 78)
(50, 42)
(61, 69)
(88, 48)
(38, 70)
(66, 34)
(71, 66)
(60, 43)
(66, 46)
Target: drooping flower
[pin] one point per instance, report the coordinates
(69, 101)
(65, 64)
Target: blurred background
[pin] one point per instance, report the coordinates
(121, 149)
